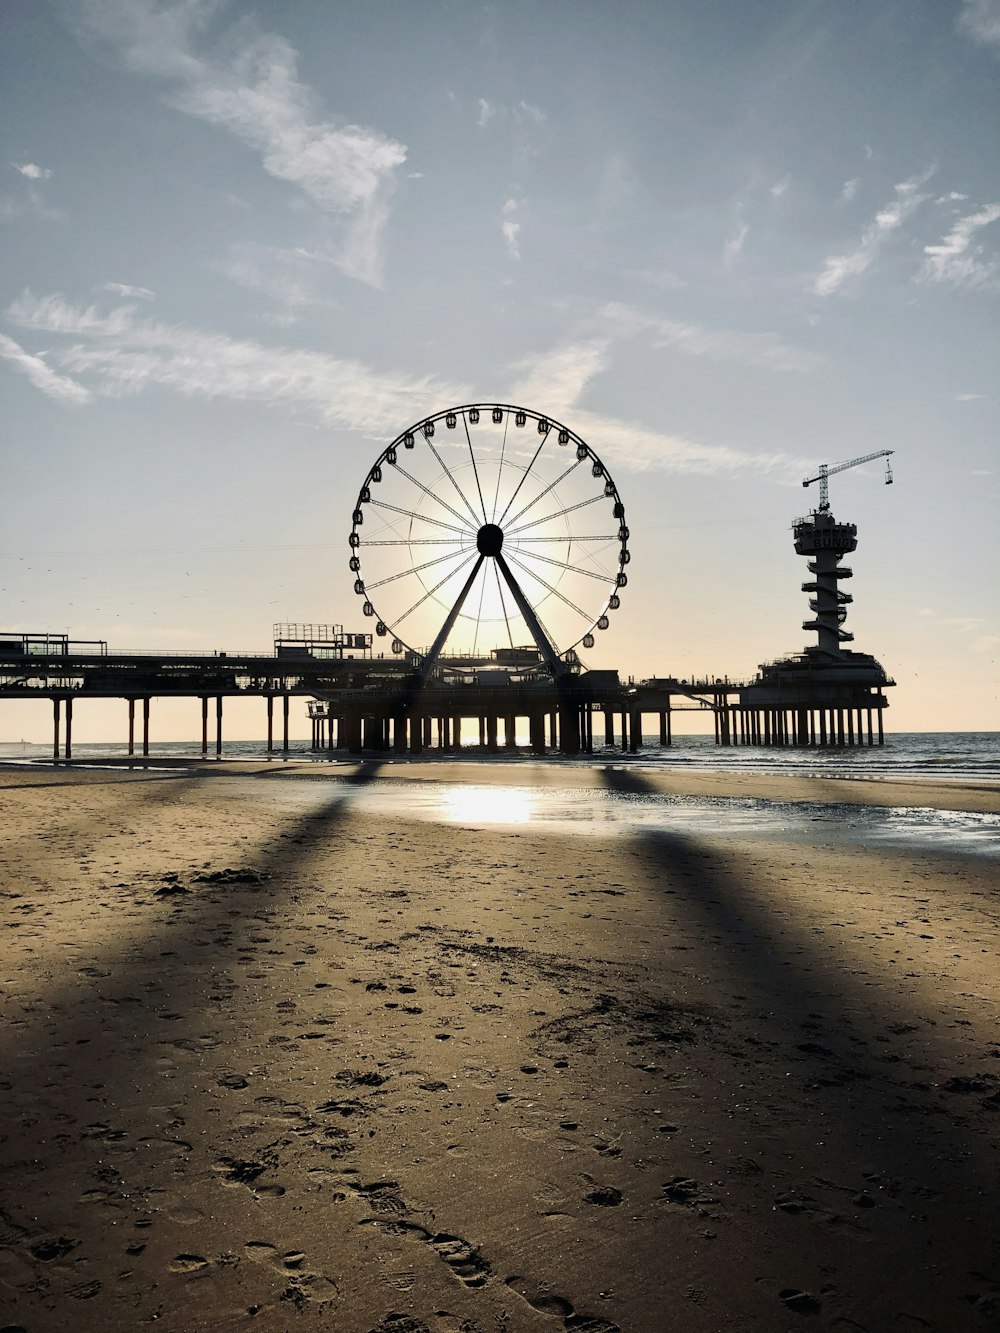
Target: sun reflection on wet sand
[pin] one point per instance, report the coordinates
(624, 813)
(487, 805)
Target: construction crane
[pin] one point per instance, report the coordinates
(826, 471)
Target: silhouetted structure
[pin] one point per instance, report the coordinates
(826, 695)
(413, 701)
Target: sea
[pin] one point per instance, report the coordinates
(619, 804)
(965, 756)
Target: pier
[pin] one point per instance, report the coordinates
(485, 562)
(358, 702)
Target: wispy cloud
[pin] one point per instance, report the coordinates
(956, 260)
(733, 247)
(510, 228)
(121, 354)
(765, 350)
(637, 448)
(347, 171)
(126, 289)
(287, 276)
(985, 641)
(29, 205)
(850, 188)
(838, 269)
(521, 113)
(32, 171)
(980, 20)
(41, 375)
(780, 187)
(561, 376)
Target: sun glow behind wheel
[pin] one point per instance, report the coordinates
(504, 497)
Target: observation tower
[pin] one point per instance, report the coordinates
(828, 694)
(826, 541)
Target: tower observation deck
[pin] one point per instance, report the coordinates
(826, 541)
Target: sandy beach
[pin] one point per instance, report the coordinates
(273, 1059)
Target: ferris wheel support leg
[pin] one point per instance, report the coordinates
(531, 620)
(427, 665)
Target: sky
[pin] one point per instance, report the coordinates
(245, 245)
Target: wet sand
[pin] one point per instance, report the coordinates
(281, 1063)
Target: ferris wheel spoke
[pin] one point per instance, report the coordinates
(462, 495)
(479, 615)
(436, 498)
(407, 573)
(482, 502)
(421, 518)
(503, 604)
(559, 513)
(526, 474)
(555, 591)
(415, 541)
(393, 527)
(546, 629)
(542, 494)
(503, 451)
(431, 591)
(593, 558)
(562, 564)
(567, 537)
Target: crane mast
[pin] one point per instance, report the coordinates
(826, 471)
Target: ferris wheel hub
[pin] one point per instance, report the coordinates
(489, 539)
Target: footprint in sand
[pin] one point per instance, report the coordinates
(462, 1258)
(262, 1252)
(188, 1263)
(547, 1302)
(395, 1323)
(606, 1196)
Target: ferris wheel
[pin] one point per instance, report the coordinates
(489, 527)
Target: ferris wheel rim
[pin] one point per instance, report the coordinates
(466, 538)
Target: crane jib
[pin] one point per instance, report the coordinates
(826, 471)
